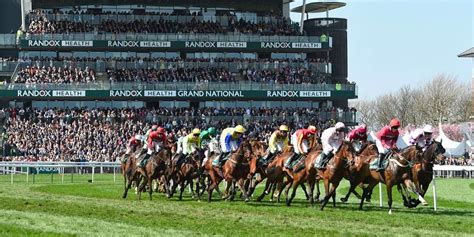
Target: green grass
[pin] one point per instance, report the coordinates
(83, 209)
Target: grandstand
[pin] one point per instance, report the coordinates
(189, 54)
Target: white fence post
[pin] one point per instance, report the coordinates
(435, 205)
(380, 194)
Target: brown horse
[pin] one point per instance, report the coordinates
(275, 176)
(422, 171)
(129, 168)
(307, 174)
(397, 172)
(334, 171)
(359, 169)
(258, 153)
(189, 170)
(154, 169)
(236, 168)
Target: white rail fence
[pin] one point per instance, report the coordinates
(92, 168)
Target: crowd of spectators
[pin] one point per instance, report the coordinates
(152, 75)
(287, 75)
(40, 24)
(101, 134)
(56, 75)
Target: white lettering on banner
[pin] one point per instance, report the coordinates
(282, 93)
(43, 43)
(199, 44)
(315, 93)
(69, 93)
(160, 93)
(155, 44)
(275, 45)
(123, 43)
(126, 93)
(232, 44)
(76, 43)
(210, 94)
(306, 45)
(34, 93)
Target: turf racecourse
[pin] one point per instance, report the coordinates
(82, 208)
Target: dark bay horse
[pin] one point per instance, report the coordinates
(335, 170)
(129, 171)
(154, 169)
(257, 154)
(397, 172)
(422, 171)
(185, 174)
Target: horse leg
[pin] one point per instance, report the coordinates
(406, 203)
(311, 189)
(318, 192)
(209, 191)
(242, 189)
(327, 194)
(279, 187)
(128, 185)
(181, 189)
(304, 190)
(295, 187)
(150, 187)
(140, 188)
(232, 190)
(334, 196)
(265, 191)
(412, 187)
(287, 190)
(351, 189)
(389, 197)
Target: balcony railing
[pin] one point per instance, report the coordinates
(180, 86)
(7, 40)
(232, 37)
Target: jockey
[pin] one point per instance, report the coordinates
(207, 135)
(171, 138)
(332, 139)
(154, 141)
(358, 134)
(278, 142)
(230, 140)
(133, 143)
(153, 128)
(387, 140)
(422, 137)
(302, 140)
(188, 144)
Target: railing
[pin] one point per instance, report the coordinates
(230, 36)
(101, 66)
(181, 86)
(7, 40)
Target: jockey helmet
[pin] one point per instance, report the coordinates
(340, 126)
(283, 128)
(170, 136)
(154, 127)
(362, 128)
(212, 131)
(160, 130)
(395, 123)
(312, 129)
(196, 131)
(428, 129)
(239, 129)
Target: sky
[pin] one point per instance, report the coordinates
(396, 43)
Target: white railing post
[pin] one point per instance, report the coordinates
(434, 193)
(93, 173)
(380, 194)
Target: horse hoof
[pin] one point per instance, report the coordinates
(343, 200)
(271, 199)
(390, 212)
(247, 200)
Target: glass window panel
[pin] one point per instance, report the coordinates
(88, 104)
(56, 104)
(72, 104)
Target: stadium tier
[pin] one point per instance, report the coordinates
(181, 54)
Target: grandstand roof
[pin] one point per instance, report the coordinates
(467, 54)
(321, 6)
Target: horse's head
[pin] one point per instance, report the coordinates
(409, 153)
(346, 151)
(258, 150)
(434, 152)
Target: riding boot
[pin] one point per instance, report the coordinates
(221, 157)
(289, 161)
(326, 158)
(380, 162)
(144, 161)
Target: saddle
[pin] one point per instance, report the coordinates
(298, 164)
(215, 161)
(374, 163)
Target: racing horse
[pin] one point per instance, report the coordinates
(154, 169)
(185, 174)
(397, 172)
